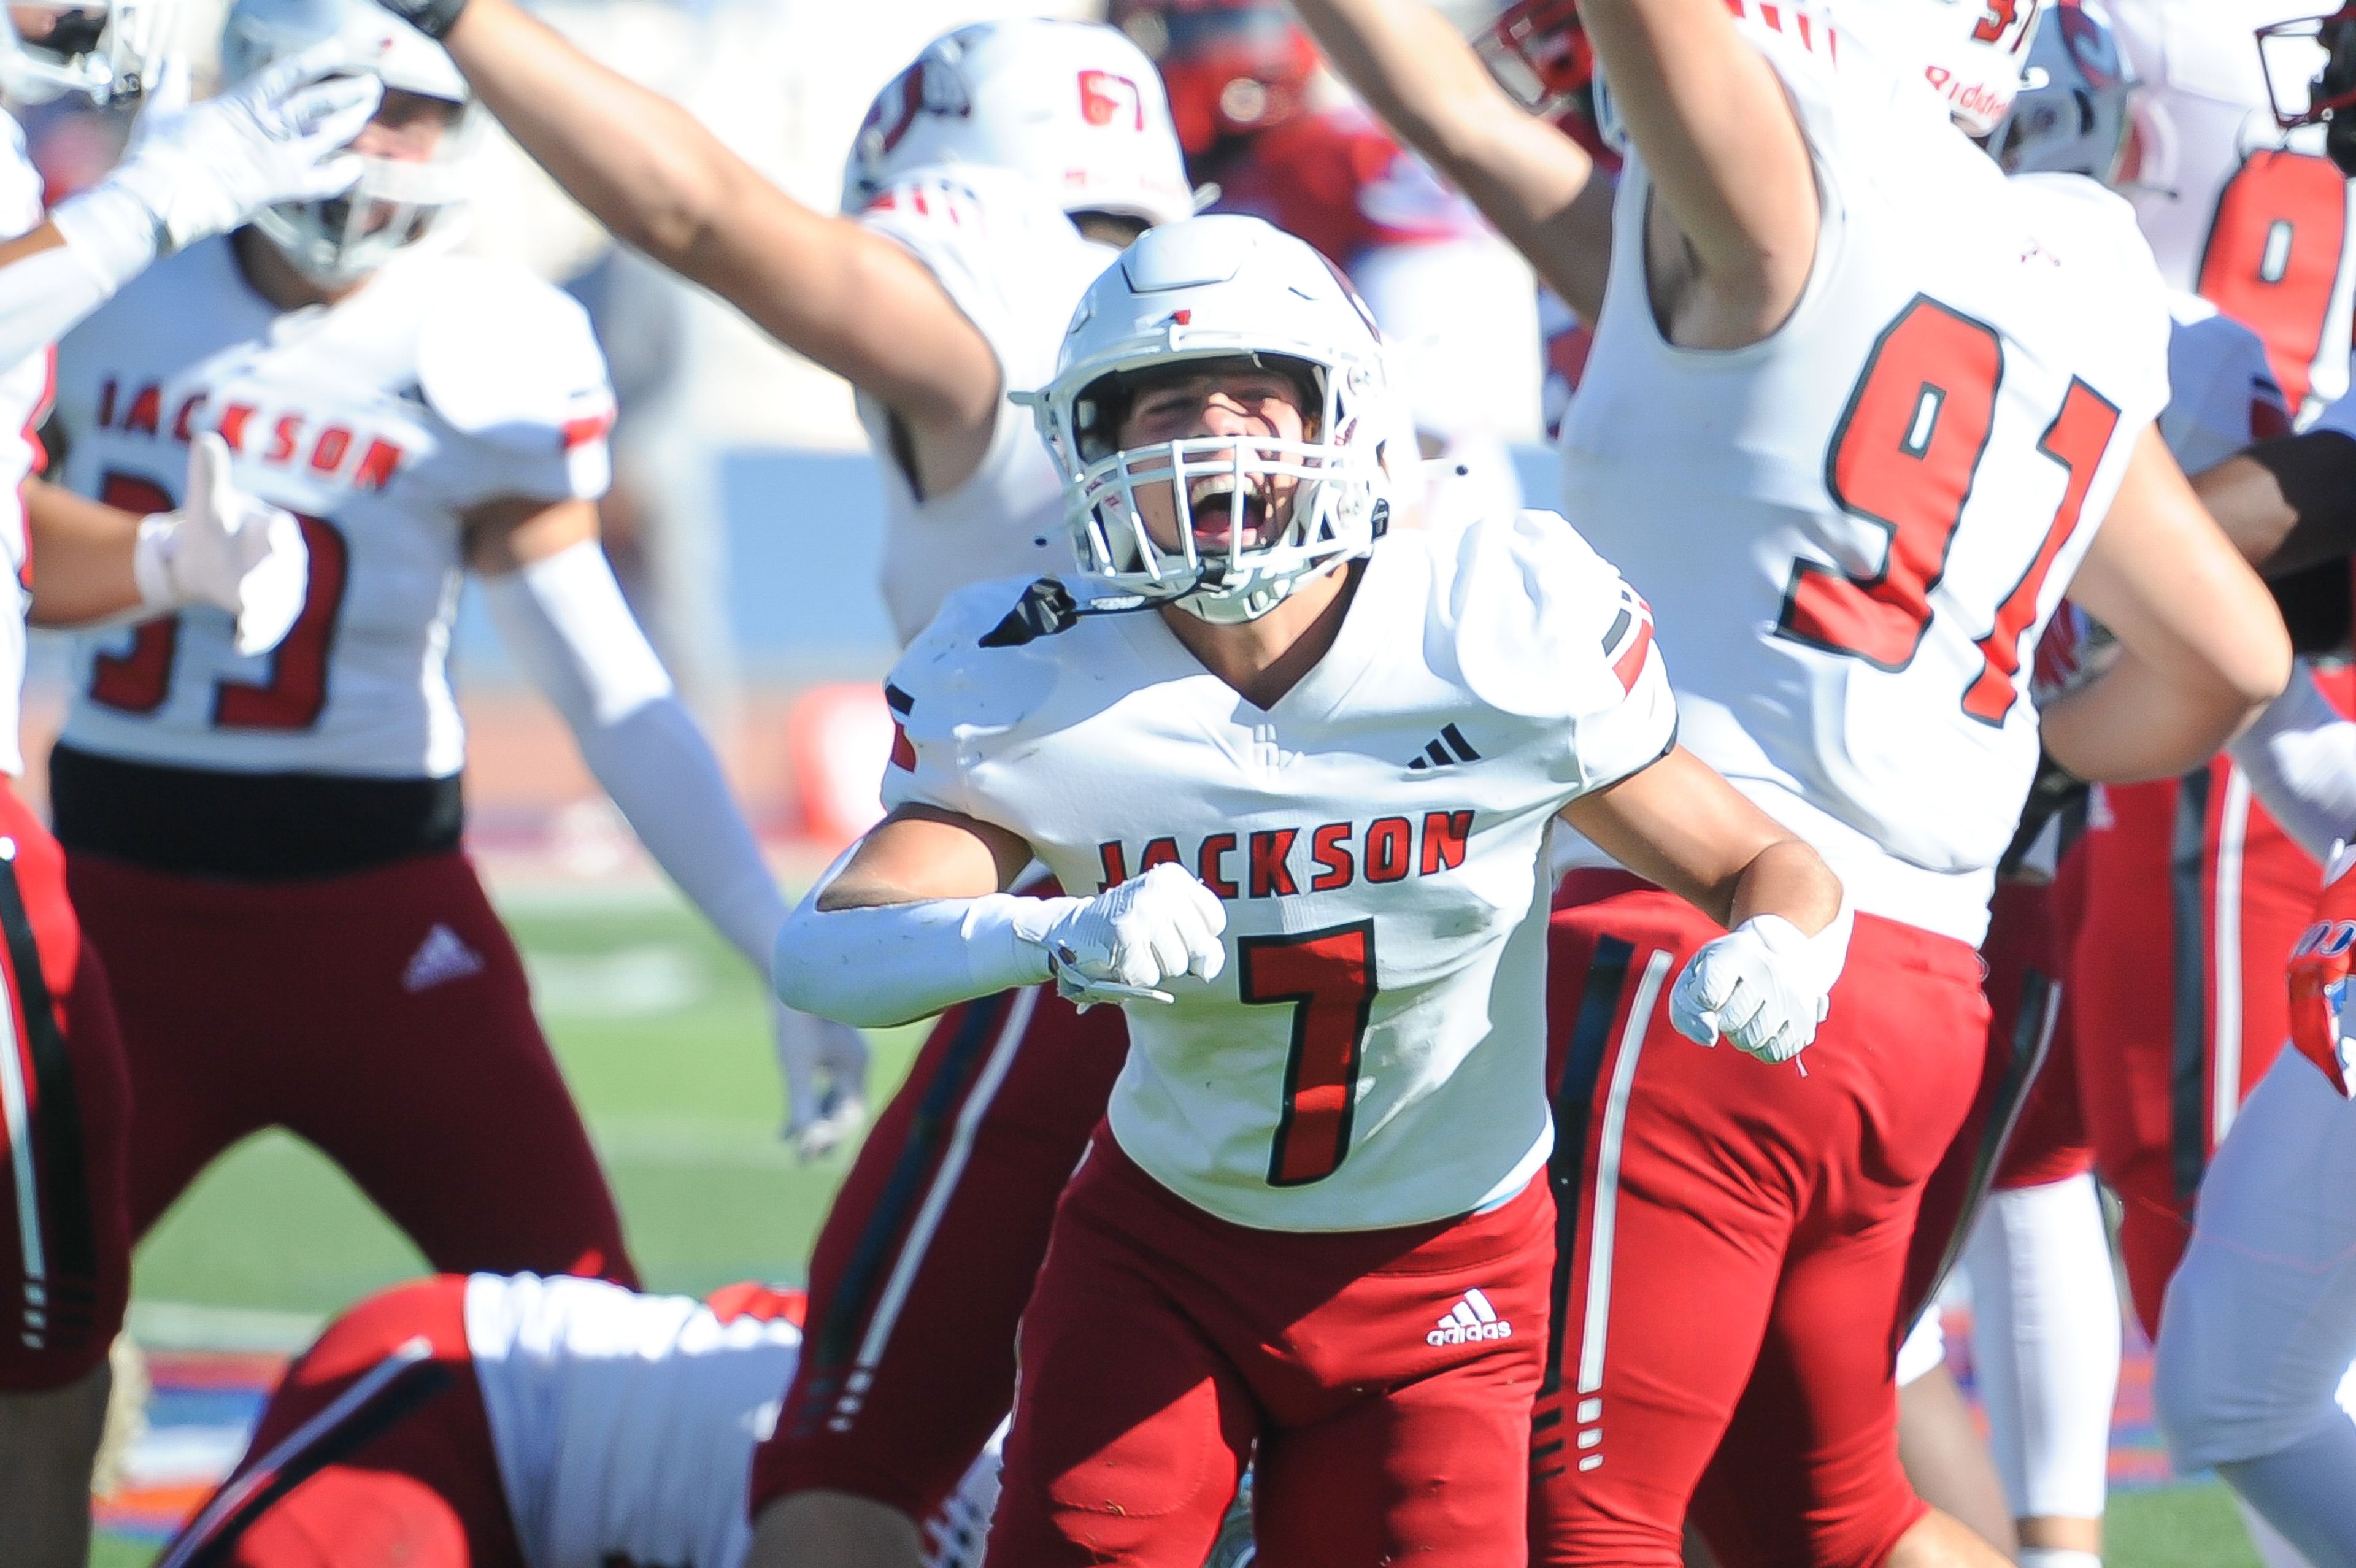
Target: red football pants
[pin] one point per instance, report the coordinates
(373, 1453)
(384, 1016)
(2194, 898)
(1162, 1344)
(2027, 953)
(65, 1115)
(931, 1250)
(1735, 1244)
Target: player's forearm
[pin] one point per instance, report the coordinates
(1789, 879)
(2287, 504)
(877, 965)
(651, 173)
(564, 619)
(644, 166)
(47, 285)
(82, 554)
(2136, 721)
(1535, 184)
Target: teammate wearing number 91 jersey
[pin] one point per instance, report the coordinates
(273, 841)
(1312, 765)
(1857, 407)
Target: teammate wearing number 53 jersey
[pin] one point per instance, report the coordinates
(272, 842)
(1856, 407)
(1312, 769)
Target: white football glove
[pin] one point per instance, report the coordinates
(1764, 986)
(825, 1067)
(279, 136)
(226, 549)
(1125, 942)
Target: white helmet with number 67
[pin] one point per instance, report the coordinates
(1254, 515)
(417, 156)
(1971, 52)
(1074, 105)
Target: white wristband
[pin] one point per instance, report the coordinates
(111, 230)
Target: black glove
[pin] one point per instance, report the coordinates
(435, 18)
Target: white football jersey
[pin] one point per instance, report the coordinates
(381, 422)
(2256, 221)
(2222, 394)
(23, 403)
(1010, 260)
(1373, 1054)
(624, 1423)
(1852, 532)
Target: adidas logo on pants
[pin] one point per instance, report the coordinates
(1470, 1318)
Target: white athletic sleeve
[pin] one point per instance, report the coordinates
(565, 619)
(2222, 394)
(511, 362)
(2301, 756)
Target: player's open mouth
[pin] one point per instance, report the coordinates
(1212, 501)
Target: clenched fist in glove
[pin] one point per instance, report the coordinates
(1127, 941)
(224, 547)
(1764, 986)
(196, 170)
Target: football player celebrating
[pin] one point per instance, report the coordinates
(279, 837)
(515, 1422)
(1852, 602)
(1312, 771)
(63, 1115)
(989, 184)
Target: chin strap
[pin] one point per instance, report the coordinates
(1047, 609)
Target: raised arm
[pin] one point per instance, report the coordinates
(819, 283)
(2203, 646)
(1710, 120)
(1531, 181)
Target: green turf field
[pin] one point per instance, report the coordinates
(661, 1031)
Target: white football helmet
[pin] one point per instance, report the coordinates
(1971, 52)
(2073, 114)
(1225, 287)
(1073, 105)
(398, 203)
(108, 49)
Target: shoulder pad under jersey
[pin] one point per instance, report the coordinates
(1536, 621)
(511, 359)
(957, 685)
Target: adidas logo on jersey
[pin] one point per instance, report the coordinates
(1451, 747)
(1470, 1318)
(443, 956)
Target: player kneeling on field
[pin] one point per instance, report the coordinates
(1312, 779)
(505, 1421)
